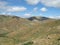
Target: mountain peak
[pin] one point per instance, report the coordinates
(38, 18)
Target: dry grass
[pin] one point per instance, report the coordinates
(17, 31)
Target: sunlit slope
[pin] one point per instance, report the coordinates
(19, 31)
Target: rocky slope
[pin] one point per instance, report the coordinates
(20, 31)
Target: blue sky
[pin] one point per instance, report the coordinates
(28, 8)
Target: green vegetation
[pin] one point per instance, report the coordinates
(28, 43)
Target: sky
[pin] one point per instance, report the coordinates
(28, 8)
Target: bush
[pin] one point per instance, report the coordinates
(28, 43)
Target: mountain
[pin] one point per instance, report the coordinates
(38, 18)
(21, 31)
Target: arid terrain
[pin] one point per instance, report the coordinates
(29, 31)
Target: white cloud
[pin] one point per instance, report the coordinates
(51, 17)
(27, 15)
(51, 3)
(32, 2)
(54, 17)
(16, 9)
(4, 7)
(5, 13)
(2, 4)
(43, 9)
(9, 13)
(35, 9)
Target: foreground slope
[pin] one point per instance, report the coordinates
(19, 31)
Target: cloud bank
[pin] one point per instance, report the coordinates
(32, 2)
(4, 7)
(49, 3)
(43, 9)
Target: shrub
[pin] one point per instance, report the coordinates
(28, 43)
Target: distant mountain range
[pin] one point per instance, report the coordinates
(35, 30)
(38, 18)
